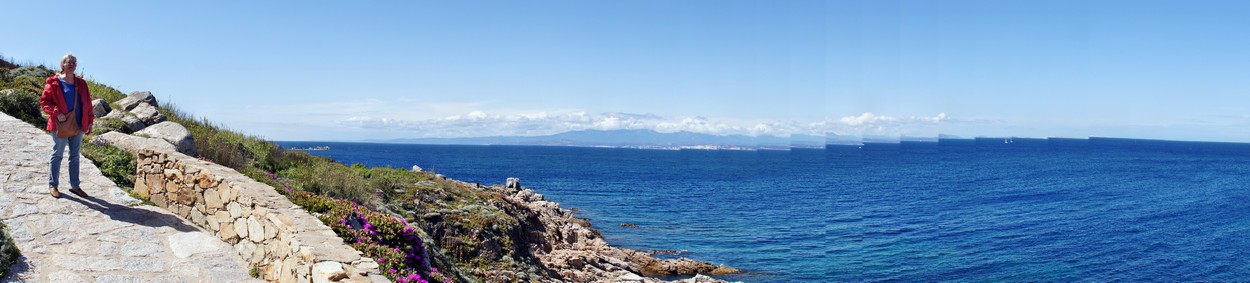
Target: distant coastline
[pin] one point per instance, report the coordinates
(321, 147)
(652, 140)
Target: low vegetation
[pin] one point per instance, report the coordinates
(8, 250)
(116, 164)
(472, 236)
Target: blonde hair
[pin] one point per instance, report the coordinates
(68, 57)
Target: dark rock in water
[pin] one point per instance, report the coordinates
(629, 225)
(672, 252)
(722, 270)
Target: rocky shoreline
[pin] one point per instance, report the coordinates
(571, 251)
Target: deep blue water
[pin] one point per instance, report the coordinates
(955, 210)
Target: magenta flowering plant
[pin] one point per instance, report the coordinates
(439, 276)
(390, 241)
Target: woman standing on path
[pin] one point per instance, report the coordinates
(64, 94)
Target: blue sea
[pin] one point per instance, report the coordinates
(1096, 209)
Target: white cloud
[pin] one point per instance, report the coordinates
(480, 123)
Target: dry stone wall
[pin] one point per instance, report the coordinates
(284, 242)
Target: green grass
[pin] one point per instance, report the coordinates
(9, 253)
(23, 105)
(101, 91)
(116, 164)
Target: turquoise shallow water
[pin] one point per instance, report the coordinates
(954, 210)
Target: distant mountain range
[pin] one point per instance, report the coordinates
(636, 139)
(649, 139)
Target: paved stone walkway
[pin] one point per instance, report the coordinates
(107, 237)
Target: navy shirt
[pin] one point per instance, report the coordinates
(71, 98)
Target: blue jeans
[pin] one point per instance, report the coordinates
(58, 151)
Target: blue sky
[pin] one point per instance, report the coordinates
(320, 70)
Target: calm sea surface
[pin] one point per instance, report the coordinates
(954, 210)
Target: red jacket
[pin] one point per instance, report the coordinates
(53, 101)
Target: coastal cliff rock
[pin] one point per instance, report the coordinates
(579, 253)
(541, 241)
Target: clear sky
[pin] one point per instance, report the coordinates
(352, 70)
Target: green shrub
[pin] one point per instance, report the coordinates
(23, 105)
(331, 179)
(101, 91)
(116, 164)
(8, 250)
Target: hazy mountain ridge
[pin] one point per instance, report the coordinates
(633, 139)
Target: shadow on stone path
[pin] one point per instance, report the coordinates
(130, 215)
(107, 237)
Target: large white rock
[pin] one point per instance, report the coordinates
(322, 272)
(148, 114)
(134, 144)
(173, 133)
(135, 98)
(189, 243)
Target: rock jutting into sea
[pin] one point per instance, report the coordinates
(567, 245)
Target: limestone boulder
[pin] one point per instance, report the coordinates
(100, 107)
(134, 144)
(132, 123)
(513, 183)
(135, 98)
(113, 114)
(173, 133)
(328, 271)
(148, 114)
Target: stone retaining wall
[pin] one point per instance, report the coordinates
(284, 242)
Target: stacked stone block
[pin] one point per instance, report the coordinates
(284, 242)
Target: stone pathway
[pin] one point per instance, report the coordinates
(107, 237)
